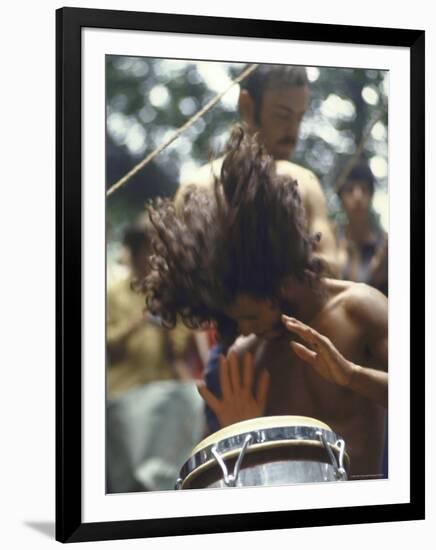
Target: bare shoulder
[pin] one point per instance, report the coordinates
(287, 168)
(204, 176)
(309, 188)
(366, 305)
(305, 178)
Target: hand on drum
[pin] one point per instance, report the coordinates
(238, 400)
(320, 353)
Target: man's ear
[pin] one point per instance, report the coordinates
(246, 109)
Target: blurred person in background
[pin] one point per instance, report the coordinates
(363, 243)
(154, 416)
(272, 102)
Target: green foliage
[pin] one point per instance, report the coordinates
(149, 98)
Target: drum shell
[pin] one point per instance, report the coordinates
(278, 456)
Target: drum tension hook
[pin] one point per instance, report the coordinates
(231, 479)
(336, 462)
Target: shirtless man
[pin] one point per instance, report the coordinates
(363, 244)
(242, 260)
(272, 103)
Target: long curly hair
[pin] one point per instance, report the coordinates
(243, 235)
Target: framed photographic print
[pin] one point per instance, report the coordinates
(240, 268)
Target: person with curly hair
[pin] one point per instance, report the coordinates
(297, 343)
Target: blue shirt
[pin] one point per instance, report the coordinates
(211, 378)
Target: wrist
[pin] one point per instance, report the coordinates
(354, 375)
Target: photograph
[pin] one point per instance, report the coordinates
(247, 274)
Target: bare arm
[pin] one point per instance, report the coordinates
(371, 383)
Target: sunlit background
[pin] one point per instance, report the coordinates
(147, 99)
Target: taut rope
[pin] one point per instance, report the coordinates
(179, 131)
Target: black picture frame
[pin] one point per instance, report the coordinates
(69, 22)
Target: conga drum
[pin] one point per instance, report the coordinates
(266, 451)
